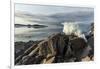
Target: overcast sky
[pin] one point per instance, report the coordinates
(42, 9)
(24, 11)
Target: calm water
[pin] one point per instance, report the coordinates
(26, 34)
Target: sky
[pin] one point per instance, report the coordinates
(25, 13)
(42, 9)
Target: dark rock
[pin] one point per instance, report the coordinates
(91, 44)
(90, 40)
(55, 49)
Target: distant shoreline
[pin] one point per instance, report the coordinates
(30, 26)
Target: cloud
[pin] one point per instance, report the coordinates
(29, 18)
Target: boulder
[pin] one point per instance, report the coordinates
(55, 49)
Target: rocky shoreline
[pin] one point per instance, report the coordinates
(57, 48)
